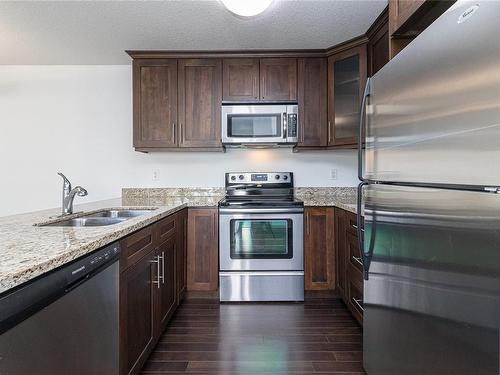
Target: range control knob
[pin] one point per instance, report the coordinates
(233, 178)
(277, 177)
(241, 177)
(285, 177)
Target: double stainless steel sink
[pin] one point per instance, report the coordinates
(99, 218)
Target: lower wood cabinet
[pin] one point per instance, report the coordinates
(137, 313)
(349, 263)
(167, 287)
(151, 286)
(181, 255)
(319, 248)
(202, 249)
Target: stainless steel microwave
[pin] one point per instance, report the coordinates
(259, 124)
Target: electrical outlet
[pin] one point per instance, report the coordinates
(333, 174)
(156, 174)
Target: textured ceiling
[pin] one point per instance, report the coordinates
(98, 32)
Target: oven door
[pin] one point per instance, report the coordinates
(260, 241)
(254, 124)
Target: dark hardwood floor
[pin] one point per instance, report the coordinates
(205, 337)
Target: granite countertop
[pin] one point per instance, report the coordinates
(27, 251)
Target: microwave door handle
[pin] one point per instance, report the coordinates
(284, 125)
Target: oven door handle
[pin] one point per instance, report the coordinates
(231, 211)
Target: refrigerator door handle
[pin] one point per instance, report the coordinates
(366, 256)
(362, 116)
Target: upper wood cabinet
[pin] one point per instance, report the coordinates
(312, 101)
(378, 43)
(346, 83)
(202, 249)
(155, 103)
(278, 79)
(200, 99)
(240, 79)
(408, 18)
(319, 248)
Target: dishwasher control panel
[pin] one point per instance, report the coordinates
(84, 267)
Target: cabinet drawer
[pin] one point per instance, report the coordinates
(355, 302)
(352, 224)
(136, 246)
(166, 228)
(353, 253)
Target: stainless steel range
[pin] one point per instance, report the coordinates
(261, 254)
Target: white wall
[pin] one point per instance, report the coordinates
(78, 120)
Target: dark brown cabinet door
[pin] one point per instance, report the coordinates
(240, 79)
(319, 248)
(346, 84)
(278, 79)
(200, 98)
(202, 252)
(155, 103)
(167, 292)
(312, 100)
(137, 314)
(181, 265)
(340, 229)
(378, 45)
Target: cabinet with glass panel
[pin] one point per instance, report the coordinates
(346, 83)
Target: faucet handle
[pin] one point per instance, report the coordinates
(81, 192)
(66, 181)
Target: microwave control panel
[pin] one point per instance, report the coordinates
(292, 125)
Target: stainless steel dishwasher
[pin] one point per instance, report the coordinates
(64, 322)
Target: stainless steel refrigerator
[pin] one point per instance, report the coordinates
(430, 175)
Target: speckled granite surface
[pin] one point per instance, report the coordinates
(27, 251)
(342, 197)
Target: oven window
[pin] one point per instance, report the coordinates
(261, 239)
(254, 126)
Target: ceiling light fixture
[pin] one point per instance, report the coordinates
(246, 8)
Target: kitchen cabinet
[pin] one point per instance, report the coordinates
(181, 255)
(319, 248)
(167, 287)
(155, 103)
(340, 245)
(199, 100)
(349, 263)
(202, 249)
(312, 101)
(240, 79)
(347, 71)
(378, 43)
(177, 104)
(138, 327)
(278, 79)
(408, 18)
(149, 286)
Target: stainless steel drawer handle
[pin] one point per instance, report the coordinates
(163, 267)
(356, 227)
(157, 261)
(359, 303)
(358, 260)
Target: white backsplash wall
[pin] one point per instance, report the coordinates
(78, 120)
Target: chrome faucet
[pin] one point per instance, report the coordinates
(69, 195)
